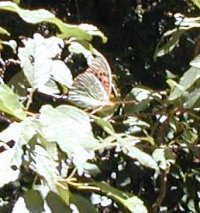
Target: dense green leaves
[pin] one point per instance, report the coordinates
(55, 157)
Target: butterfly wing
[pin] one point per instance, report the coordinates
(87, 92)
(92, 88)
(101, 69)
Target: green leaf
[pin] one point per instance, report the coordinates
(104, 124)
(196, 2)
(34, 201)
(16, 1)
(3, 31)
(139, 98)
(56, 204)
(80, 47)
(193, 99)
(71, 129)
(82, 31)
(164, 157)
(39, 65)
(132, 203)
(173, 40)
(45, 166)
(187, 90)
(82, 203)
(29, 16)
(19, 83)
(63, 191)
(12, 157)
(142, 157)
(9, 103)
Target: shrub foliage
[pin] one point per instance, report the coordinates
(141, 155)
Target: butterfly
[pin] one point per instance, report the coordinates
(92, 88)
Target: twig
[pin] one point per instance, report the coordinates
(30, 99)
(162, 193)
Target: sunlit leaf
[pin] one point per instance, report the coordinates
(132, 203)
(144, 158)
(61, 73)
(71, 129)
(81, 48)
(196, 2)
(186, 90)
(3, 31)
(20, 134)
(164, 157)
(29, 16)
(63, 191)
(82, 31)
(105, 125)
(45, 166)
(38, 64)
(16, 1)
(9, 103)
(193, 99)
(173, 37)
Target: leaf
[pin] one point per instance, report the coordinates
(3, 31)
(93, 30)
(79, 47)
(16, 1)
(29, 16)
(82, 203)
(61, 73)
(142, 157)
(71, 129)
(78, 31)
(193, 99)
(63, 191)
(12, 157)
(135, 125)
(132, 203)
(196, 2)
(139, 98)
(38, 64)
(19, 83)
(56, 204)
(164, 157)
(82, 31)
(45, 166)
(34, 201)
(187, 90)
(9, 103)
(173, 39)
(104, 124)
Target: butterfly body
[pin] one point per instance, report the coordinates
(92, 88)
